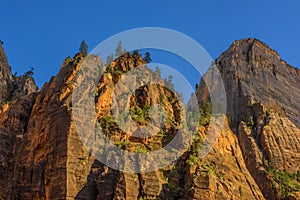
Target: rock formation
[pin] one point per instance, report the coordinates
(256, 156)
(263, 107)
(13, 86)
(5, 74)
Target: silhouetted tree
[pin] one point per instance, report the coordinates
(157, 71)
(83, 48)
(170, 79)
(169, 82)
(147, 57)
(1, 42)
(136, 53)
(196, 86)
(119, 50)
(109, 59)
(29, 73)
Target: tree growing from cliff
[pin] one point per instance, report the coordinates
(157, 72)
(136, 54)
(83, 48)
(109, 59)
(147, 57)
(169, 83)
(119, 50)
(29, 73)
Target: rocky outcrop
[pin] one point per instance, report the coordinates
(222, 174)
(5, 74)
(42, 128)
(269, 141)
(14, 121)
(255, 156)
(17, 98)
(263, 107)
(253, 72)
(40, 155)
(12, 86)
(21, 86)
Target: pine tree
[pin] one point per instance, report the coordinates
(109, 59)
(169, 82)
(136, 53)
(147, 57)
(119, 50)
(29, 73)
(157, 72)
(83, 48)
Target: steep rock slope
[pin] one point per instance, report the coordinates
(12, 86)
(42, 155)
(222, 174)
(263, 106)
(13, 122)
(5, 74)
(253, 72)
(40, 148)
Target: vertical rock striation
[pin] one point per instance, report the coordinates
(42, 155)
(263, 106)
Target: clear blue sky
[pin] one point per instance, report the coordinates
(41, 34)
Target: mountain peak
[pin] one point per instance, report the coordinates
(252, 64)
(12, 86)
(252, 43)
(250, 50)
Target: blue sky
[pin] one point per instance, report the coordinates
(41, 34)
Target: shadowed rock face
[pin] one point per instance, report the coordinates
(43, 157)
(13, 87)
(252, 72)
(5, 74)
(263, 106)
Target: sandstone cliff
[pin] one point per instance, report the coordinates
(256, 156)
(13, 86)
(5, 74)
(263, 107)
(253, 72)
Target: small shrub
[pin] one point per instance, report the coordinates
(3, 103)
(96, 92)
(205, 113)
(249, 104)
(138, 114)
(241, 191)
(122, 144)
(117, 72)
(210, 169)
(193, 160)
(229, 120)
(250, 122)
(139, 148)
(289, 183)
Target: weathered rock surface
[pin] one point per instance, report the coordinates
(271, 141)
(13, 122)
(222, 174)
(263, 106)
(21, 86)
(42, 155)
(12, 86)
(5, 74)
(253, 72)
